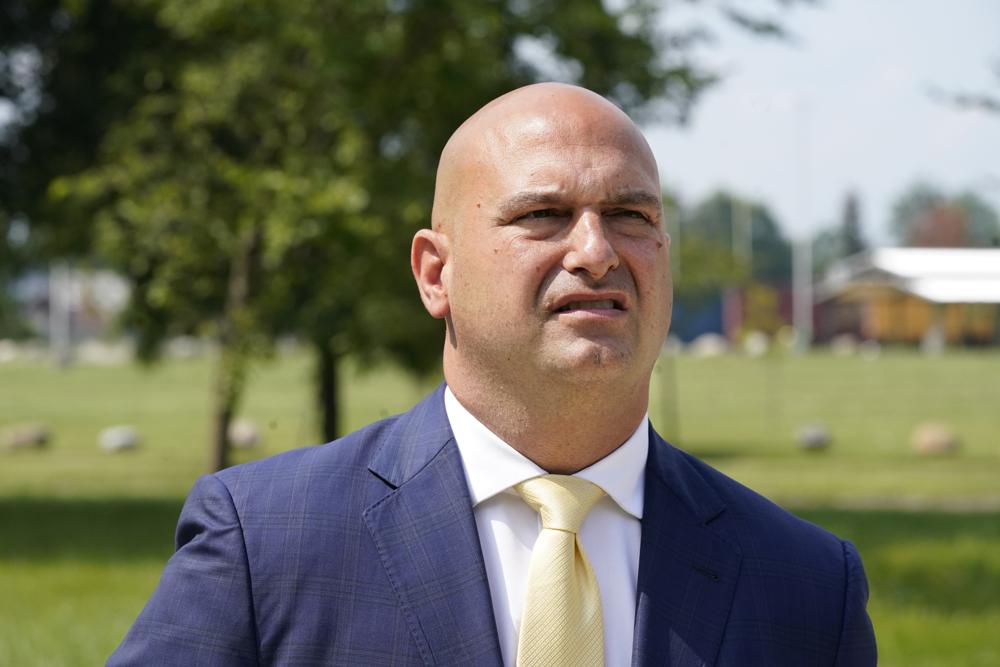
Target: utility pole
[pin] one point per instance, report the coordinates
(802, 294)
(60, 313)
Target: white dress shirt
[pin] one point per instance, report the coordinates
(508, 527)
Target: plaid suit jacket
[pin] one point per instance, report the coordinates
(364, 551)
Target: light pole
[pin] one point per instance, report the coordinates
(802, 294)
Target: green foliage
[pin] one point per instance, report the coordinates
(702, 267)
(920, 213)
(718, 218)
(70, 69)
(982, 224)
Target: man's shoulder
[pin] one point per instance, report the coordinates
(332, 467)
(348, 470)
(349, 449)
(761, 527)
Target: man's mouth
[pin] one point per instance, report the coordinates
(602, 304)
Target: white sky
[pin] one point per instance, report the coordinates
(844, 106)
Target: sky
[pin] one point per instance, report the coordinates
(844, 106)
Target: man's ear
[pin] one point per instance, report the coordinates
(428, 259)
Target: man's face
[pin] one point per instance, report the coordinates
(559, 260)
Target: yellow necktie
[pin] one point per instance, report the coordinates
(562, 622)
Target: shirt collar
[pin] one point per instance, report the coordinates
(492, 466)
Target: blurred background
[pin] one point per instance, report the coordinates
(205, 215)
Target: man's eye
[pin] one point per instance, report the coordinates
(540, 214)
(628, 214)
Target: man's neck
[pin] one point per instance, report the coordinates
(562, 429)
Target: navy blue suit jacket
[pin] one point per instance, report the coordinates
(365, 552)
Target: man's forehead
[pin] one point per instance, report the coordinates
(552, 154)
(544, 112)
(569, 126)
(515, 134)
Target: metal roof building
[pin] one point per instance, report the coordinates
(937, 275)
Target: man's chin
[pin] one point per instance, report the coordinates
(591, 356)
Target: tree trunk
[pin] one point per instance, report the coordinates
(233, 349)
(228, 389)
(328, 397)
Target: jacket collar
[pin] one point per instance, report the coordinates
(427, 540)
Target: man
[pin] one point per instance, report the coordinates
(417, 540)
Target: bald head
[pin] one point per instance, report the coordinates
(525, 117)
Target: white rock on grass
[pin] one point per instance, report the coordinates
(8, 351)
(102, 353)
(756, 343)
(184, 347)
(119, 438)
(25, 436)
(844, 345)
(870, 350)
(708, 345)
(243, 434)
(934, 439)
(787, 337)
(813, 438)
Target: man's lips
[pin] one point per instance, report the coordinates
(590, 303)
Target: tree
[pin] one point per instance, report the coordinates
(982, 225)
(705, 268)
(850, 226)
(257, 169)
(68, 72)
(926, 216)
(719, 218)
(835, 243)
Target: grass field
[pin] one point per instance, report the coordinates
(84, 535)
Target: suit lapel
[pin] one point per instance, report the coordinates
(687, 570)
(426, 536)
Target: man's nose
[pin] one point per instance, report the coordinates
(590, 248)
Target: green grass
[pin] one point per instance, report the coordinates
(742, 415)
(169, 405)
(84, 534)
(74, 574)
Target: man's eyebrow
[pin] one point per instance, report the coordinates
(523, 201)
(635, 198)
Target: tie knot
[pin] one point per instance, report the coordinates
(562, 501)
